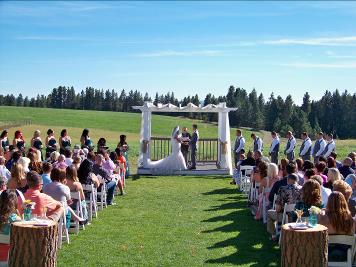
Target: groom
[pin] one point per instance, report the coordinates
(194, 146)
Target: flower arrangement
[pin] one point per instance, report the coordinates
(28, 206)
(314, 210)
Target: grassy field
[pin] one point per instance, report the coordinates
(174, 221)
(111, 124)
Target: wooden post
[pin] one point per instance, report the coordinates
(304, 247)
(33, 245)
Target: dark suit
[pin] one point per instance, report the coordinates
(194, 147)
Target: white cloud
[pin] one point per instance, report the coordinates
(340, 65)
(173, 53)
(323, 41)
(332, 54)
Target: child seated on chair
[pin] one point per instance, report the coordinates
(8, 215)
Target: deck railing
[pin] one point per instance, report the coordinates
(208, 149)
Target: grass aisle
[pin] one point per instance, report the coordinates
(173, 221)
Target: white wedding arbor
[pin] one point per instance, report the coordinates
(224, 166)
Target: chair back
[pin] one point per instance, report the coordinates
(75, 195)
(348, 240)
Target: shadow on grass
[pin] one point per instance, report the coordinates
(251, 240)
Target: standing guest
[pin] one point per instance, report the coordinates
(325, 192)
(288, 194)
(4, 172)
(19, 141)
(8, 215)
(274, 149)
(108, 179)
(46, 175)
(257, 143)
(4, 143)
(51, 143)
(330, 146)
(306, 147)
(333, 175)
(291, 143)
(85, 140)
(18, 178)
(185, 144)
(122, 145)
(310, 196)
(36, 142)
(68, 155)
(44, 203)
(319, 168)
(319, 147)
(291, 169)
(346, 169)
(346, 190)
(282, 171)
(64, 141)
(239, 145)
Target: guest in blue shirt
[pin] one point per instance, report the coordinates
(46, 176)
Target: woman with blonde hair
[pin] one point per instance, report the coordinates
(333, 175)
(18, 178)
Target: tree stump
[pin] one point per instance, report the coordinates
(304, 247)
(32, 245)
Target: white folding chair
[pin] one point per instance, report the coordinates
(74, 224)
(245, 179)
(4, 239)
(62, 229)
(287, 208)
(91, 202)
(344, 240)
(101, 198)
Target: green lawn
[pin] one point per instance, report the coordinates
(173, 221)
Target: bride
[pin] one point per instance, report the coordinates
(174, 162)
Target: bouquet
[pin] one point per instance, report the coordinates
(314, 210)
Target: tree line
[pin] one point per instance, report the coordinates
(334, 112)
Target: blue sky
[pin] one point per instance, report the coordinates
(185, 47)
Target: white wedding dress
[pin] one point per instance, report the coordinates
(172, 163)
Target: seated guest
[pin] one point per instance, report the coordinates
(16, 155)
(34, 165)
(25, 162)
(310, 196)
(54, 157)
(338, 220)
(351, 180)
(86, 175)
(307, 164)
(60, 164)
(300, 171)
(75, 186)
(325, 192)
(333, 175)
(346, 169)
(352, 155)
(3, 183)
(289, 194)
(290, 169)
(249, 161)
(257, 155)
(261, 171)
(334, 156)
(345, 189)
(283, 168)
(108, 179)
(330, 163)
(4, 172)
(43, 202)
(18, 178)
(320, 167)
(68, 157)
(46, 175)
(308, 174)
(76, 161)
(108, 164)
(8, 215)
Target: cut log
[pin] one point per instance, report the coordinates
(33, 245)
(304, 247)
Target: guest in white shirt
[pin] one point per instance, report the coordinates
(289, 150)
(257, 143)
(306, 147)
(274, 149)
(4, 172)
(68, 155)
(319, 147)
(330, 146)
(325, 192)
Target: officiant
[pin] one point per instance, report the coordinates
(185, 144)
